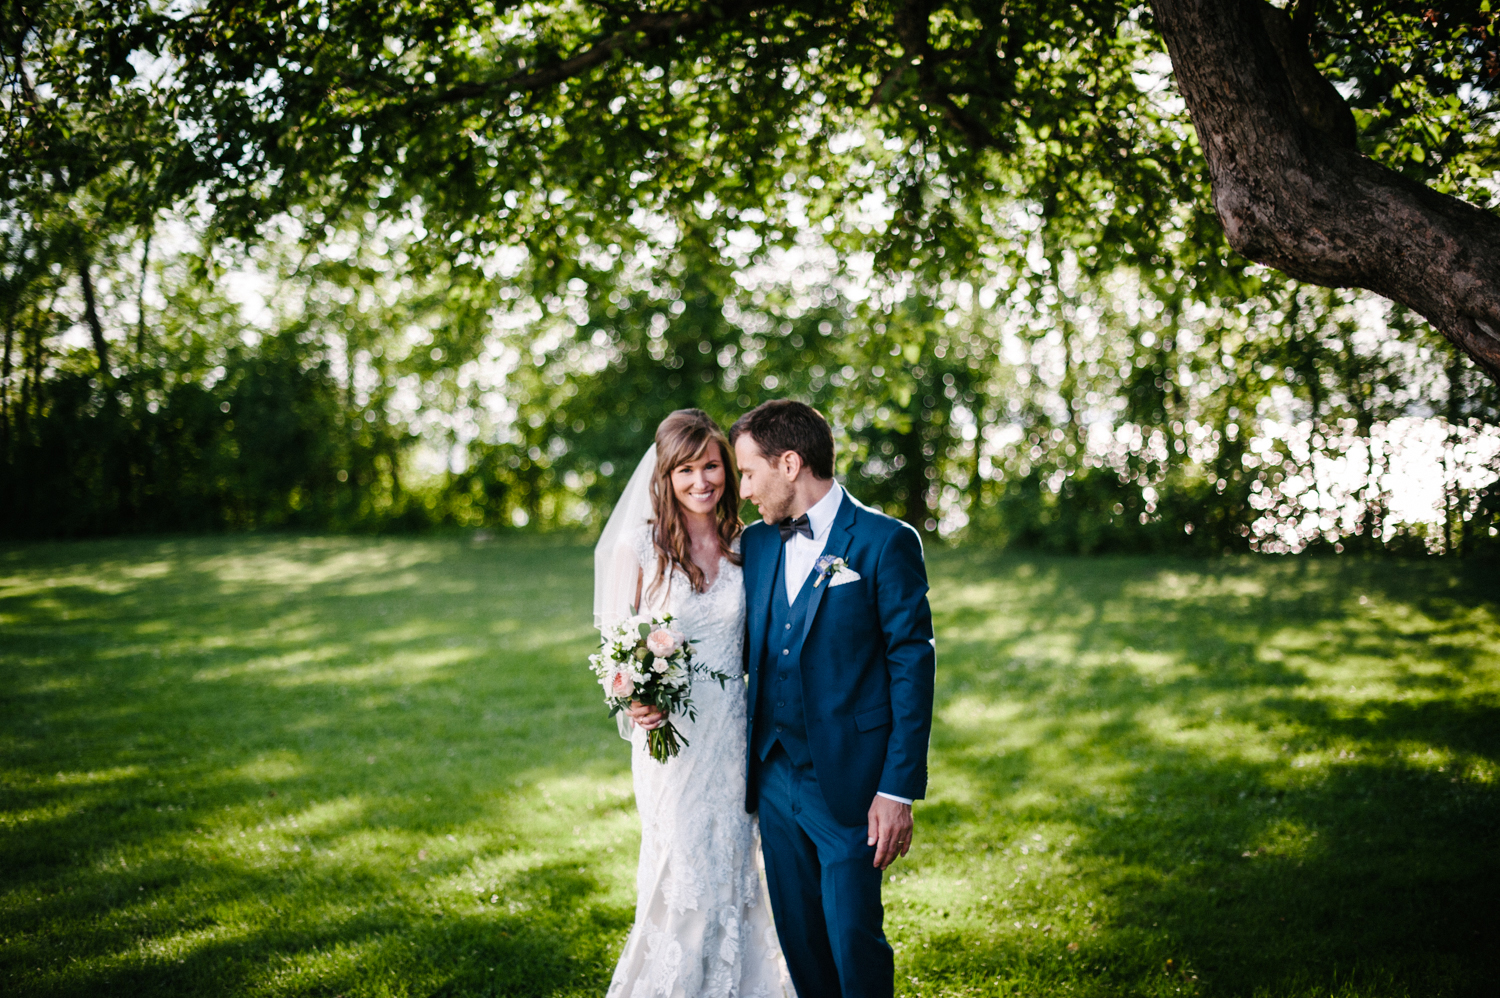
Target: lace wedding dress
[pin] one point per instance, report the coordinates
(703, 924)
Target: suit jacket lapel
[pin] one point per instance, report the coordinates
(760, 609)
(840, 536)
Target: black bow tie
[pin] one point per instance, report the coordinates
(789, 526)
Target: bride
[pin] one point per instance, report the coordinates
(702, 919)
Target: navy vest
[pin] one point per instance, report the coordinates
(779, 711)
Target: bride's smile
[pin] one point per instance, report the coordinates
(698, 484)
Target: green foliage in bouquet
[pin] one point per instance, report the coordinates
(644, 659)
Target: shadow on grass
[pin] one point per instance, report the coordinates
(552, 936)
(290, 766)
(1278, 776)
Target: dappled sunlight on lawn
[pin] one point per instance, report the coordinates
(317, 766)
(1242, 773)
(265, 765)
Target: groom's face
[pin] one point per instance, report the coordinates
(767, 484)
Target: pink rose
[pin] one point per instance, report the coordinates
(662, 643)
(621, 685)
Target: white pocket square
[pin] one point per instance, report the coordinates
(843, 577)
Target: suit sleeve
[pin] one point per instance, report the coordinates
(911, 657)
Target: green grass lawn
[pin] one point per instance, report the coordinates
(284, 766)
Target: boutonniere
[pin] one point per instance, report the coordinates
(828, 566)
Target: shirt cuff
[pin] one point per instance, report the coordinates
(898, 800)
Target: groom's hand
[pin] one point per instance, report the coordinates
(647, 717)
(890, 830)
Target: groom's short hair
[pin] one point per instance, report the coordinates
(783, 425)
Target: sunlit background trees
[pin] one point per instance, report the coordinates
(313, 266)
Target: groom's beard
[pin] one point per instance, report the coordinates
(776, 504)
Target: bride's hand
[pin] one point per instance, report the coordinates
(647, 717)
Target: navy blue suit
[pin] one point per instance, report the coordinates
(841, 687)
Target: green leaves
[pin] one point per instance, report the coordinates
(582, 196)
(538, 126)
(1421, 79)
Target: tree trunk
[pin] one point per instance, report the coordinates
(91, 316)
(1371, 516)
(980, 390)
(914, 470)
(1069, 389)
(31, 378)
(10, 329)
(1294, 193)
(976, 480)
(23, 417)
(140, 300)
(1453, 496)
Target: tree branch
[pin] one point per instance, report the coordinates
(654, 24)
(912, 25)
(1294, 195)
(1304, 19)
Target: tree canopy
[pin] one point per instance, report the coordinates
(604, 176)
(540, 123)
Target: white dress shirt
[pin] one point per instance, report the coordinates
(801, 556)
(801, 552)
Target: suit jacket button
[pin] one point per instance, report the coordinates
(781, 703)
(786, 651)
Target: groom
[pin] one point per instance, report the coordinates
(841, 660)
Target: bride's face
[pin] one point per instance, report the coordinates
(698, 484)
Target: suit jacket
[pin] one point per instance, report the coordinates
(868, 659)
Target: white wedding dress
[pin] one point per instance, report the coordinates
(703, 924)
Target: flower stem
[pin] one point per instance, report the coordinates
(664, 742)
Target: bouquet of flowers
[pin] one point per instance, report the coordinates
(645, 659)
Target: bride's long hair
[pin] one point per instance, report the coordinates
(682, 437)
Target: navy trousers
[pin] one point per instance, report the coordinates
(825, 888)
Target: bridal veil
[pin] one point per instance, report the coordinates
(617, 571)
